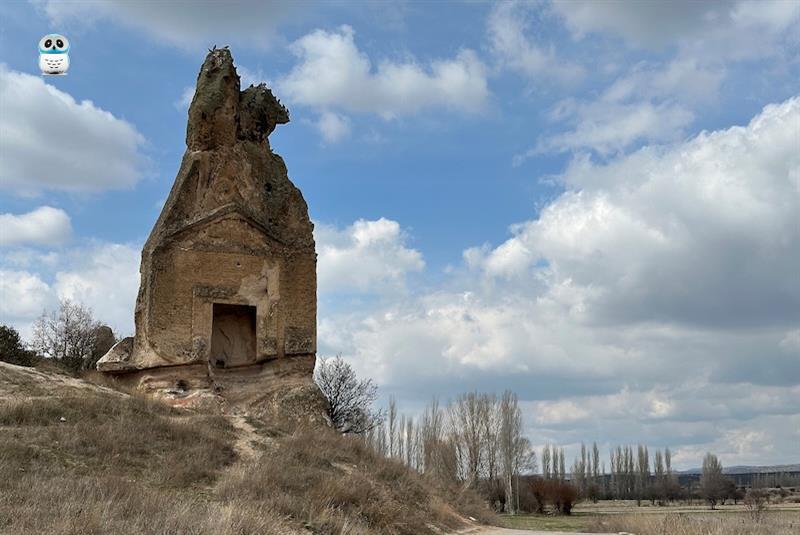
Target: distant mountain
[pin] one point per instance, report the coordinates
(733, 470)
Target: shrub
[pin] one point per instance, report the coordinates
(756, 503)
(538, 493)
(12, 350)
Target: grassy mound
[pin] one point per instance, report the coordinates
(81, 459)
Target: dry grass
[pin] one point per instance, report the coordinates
(84, 461)
(114, 505)
(114, 465)
(101, 434)
(774, 523)
(335, 484)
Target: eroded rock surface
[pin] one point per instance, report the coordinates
(228, 274)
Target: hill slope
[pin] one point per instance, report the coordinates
(80, 458)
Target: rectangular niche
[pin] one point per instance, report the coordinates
(233, 335)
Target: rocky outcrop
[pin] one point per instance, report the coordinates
(228, 273)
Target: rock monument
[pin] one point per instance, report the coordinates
(227, 302)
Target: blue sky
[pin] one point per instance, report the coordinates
(594, 203)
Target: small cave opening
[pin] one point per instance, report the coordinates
(233, 335)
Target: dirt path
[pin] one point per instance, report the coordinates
(503, 531)
(247, 438)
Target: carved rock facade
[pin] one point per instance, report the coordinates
(228, 274)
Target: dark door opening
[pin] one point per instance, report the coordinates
(233, 335)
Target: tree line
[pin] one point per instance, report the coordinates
(477, 439)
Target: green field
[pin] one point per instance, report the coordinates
(573, 523)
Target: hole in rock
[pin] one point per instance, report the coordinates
(233, 335)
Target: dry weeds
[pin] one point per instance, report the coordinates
(773, 523)
(87, 461)
(334, 484)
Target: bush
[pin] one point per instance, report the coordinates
(12, 350)
(536, 495)
(756, 503)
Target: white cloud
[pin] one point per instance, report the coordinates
(611, 127)
(686, 79)
(44, 225)
(333, 127)
(366, 256)
(662, 261)
(642, 23)
(333, 74)
(702, 232)
(508, 28)
(23, 296)
(50, 141)
(791, 342)
(251, 23)
(104, 277)
(733, 29)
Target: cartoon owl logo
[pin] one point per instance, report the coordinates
(54, 54)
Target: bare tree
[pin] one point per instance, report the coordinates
(642, 473)
(392, 421)
(712, 482)
(467, 419)
(546, 461)
(660, 488)
(756, 502)
(401, 443)
(68, 334)
(515, 450)
(411, 443)
(439, 454)
(349, 399)
(490, 436)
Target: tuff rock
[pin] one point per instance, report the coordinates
(226, 308)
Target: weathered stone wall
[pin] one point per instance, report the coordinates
(235, 231)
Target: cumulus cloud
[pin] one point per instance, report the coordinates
(23, 295)
(365, 256)
(50, 141)
(244, 22)
(44, 225)
(333, 74)
(509, 28)
(102, 276)
(628, 232)
(657, 296)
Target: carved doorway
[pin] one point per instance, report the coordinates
(233, 335)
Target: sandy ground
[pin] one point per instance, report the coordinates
(18, 382)
(504, 531)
